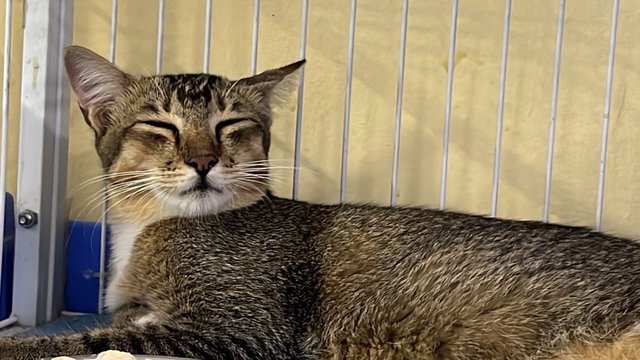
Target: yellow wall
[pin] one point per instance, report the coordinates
(14, 87)
(475, 98)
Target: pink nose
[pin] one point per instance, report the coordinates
(202, 164)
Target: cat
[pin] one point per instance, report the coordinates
(208, 264)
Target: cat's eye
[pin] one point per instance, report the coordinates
(230, 122)
(162, 125)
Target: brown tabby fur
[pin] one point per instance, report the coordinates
(226, 272)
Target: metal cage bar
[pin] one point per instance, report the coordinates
(39, 249)
(59, 178)
(447, 109)
(113, 31)
(607, 113)
(103, 228)
(207, 36)
(300, 107)
(501, 96)
(399, 98)
(554, 112)
(254, 37)
(347, 102)
(160, 38)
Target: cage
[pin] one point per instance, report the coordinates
(500, 107)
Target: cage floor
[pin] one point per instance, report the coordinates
(62, 325)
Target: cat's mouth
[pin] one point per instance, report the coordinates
(202, 186)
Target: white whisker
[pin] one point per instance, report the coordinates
(122, 191)
(106, 177)
(257, 179)
(119, 201)
(253, 181)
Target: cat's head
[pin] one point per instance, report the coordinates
(193, 144)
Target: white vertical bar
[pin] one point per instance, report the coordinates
(39, 250)
(503, 79)
(399, 94)
(447, 109)
(347, 101)
(113, 31)
(299, 108)
(554, 112)
(207, 36)
(103, 228)
(5, 119)
(607, 113)
(160, 39)
(254, 39)
(60, 150)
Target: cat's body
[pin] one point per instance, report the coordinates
(289, 280)
(205, 265)
(355, 282)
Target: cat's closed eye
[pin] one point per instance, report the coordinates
(233, 124)
(162, 126)
(231, 132)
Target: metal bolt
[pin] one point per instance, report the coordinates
(27, 219)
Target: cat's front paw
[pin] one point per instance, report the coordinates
(129, 313)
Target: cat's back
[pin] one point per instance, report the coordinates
(429, 233)
(408, 282)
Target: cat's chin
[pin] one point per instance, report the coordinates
(196, 203)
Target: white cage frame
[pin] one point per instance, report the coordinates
(48, 28)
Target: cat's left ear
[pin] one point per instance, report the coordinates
(277, 84)
(96, 82)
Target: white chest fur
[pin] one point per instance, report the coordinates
(123, 237)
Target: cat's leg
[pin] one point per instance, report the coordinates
(626, 347)
(208, 342)
(125, 300)
(138, 314)
(148, 340)
(130, 313)
(501, 333)
(385, 351)
(616, 351)
(116, 297)
(151, 340)
(128, 310)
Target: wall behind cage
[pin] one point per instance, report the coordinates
(372, 117)
(476, 84)
(14, 88)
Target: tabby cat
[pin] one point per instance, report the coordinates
(207, 264)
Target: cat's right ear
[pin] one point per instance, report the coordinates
(95, 81)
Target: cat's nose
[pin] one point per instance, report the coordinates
(202, 164)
